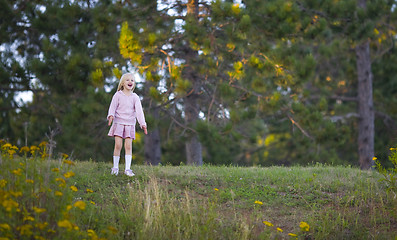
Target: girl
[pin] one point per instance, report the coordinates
(124, 109)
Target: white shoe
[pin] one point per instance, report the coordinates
(115, 171)
(129, 173)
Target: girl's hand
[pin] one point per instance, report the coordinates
(144, 130)
(110, 119)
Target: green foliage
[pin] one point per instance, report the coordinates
(389, 175)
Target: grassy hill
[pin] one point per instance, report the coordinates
(81, 200)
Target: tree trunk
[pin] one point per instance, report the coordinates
(153, 143)
(366, 125)
(192, 110)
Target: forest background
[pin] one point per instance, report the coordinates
(222, 82)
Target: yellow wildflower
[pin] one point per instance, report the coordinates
(41, 226)
(9, 204)
(64, 156)
(3, 183)
(79, 204)
(39, 238)
(16, 194)
(258, 202)
(5, 226)
(89, 190)
(292, 234)
(374, 158)
(68, 174)
(38, 210)
(55, 169)
(17, 172)
(6, 146)
(68, 207)
(60, 180)
(391, 149)
(65, 224)
(25, 229)
(92, 234)
(93, 203)
(29, 181)
(216, 189)
(304, 226)
(28, 218)
(33, 149)
(73, 188)
(268, 223)
(14, 148)
(11, 153)
(43, 144)
(58, 193)
(24, 149)
(279, 230)
(68, 162)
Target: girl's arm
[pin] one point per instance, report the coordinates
(140, 116)
(112, 108)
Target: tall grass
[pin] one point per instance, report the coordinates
(209, 202)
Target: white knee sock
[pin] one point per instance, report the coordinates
(116, 160)
(128, 159)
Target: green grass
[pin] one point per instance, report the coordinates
(208, 202)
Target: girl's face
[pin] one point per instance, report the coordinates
(129, 83)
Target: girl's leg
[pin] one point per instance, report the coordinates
(118, 143)
(128, 153)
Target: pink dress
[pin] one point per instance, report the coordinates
(126, 110)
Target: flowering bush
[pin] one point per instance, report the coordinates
(36, 203)
(389, 175)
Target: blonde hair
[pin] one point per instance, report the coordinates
(122, 80)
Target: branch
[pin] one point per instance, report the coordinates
(300, 128)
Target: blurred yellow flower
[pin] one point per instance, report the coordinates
(374, 158)
(55, 169)
(79, 204)
(58, 193)
(16, 194)
(268, 223)
(9, 204)
(29, 181)
(33, 149)
(60, 180)
(17, 171)
(216, 189)
(93, 203)
(258, 202)
(89, 190)
(14, 148)
(5, 226)
(38, 210)
(43, 144)
(24, 149)
(304, 226)
(391, 149)
(292, 234)
(68, 207)
(68, 162)
(3, 183)
(64, 156)
(5, 146)
(73, 188)
(92, 234)
(41, 226)
(28, 218)
(25, 229)
(65, 224)
(279, 230)
(68, 174)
